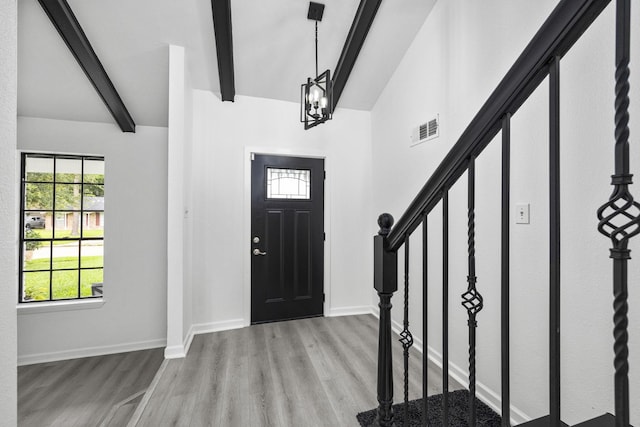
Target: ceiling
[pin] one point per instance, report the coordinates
(272, 47)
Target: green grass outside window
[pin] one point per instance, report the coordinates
(65, 282)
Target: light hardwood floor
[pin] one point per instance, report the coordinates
(310, 372)
(300, 373)
(93, 391)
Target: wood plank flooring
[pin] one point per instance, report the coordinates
(93, 391)
(310, 372)
(301, 373)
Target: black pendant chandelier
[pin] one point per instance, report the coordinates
(316, 97)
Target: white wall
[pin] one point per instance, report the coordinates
(135, 275)
(179, 290)
(456, 60)
(175, 204)
(224, 133)
(8, 212)
(187, 245)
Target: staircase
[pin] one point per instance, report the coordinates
(618, 220)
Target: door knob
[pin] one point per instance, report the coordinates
(257, 252)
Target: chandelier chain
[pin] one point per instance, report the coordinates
(316, 49)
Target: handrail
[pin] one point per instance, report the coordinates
(555, 37)
(619, 220)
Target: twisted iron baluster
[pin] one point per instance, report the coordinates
(405, 336)
(471, 299)
(619, 218)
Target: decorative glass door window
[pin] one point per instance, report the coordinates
(288, 184)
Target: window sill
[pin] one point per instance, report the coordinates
(48, 307)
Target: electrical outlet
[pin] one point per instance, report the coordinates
(522, 213)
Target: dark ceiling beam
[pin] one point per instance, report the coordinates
(65, 21)
(224, 47)
(357, 34)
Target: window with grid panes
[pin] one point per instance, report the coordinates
(62, 227)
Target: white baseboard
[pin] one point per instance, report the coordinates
(188, 340)
(348, 311)
(225, 325)
(483, 392)
(375, 310)
(175, 352)
(30, 359)
(171, 352)
(180, 351)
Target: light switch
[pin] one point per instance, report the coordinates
(522, 213)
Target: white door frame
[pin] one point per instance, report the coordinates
(246, 233)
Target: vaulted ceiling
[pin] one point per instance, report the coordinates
(272, 51)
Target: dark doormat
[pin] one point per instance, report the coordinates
(458, 412)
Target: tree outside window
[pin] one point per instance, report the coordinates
(62, 222)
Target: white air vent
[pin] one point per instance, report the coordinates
(426, 131)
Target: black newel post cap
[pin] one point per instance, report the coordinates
(385, 221)
(385, 263)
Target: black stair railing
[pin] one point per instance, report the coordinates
(472, 299)
(619, 220)
(620, 216)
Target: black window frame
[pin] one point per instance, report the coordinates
(80, 239)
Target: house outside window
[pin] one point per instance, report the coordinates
(61, 227)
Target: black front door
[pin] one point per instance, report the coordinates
(287, 238)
